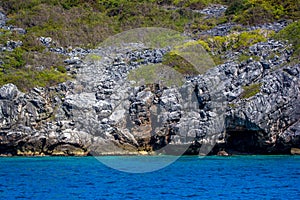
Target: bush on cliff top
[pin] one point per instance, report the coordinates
(27, 70)
(252, 12)
(83, 23)
(237, 41)
(26, 79)
(88, 22)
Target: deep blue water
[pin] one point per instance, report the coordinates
(237, 177)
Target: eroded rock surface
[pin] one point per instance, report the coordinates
(101, 112)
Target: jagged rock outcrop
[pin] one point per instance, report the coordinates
(101, 112)
(270, 119)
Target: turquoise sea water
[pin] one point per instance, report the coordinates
(237, 177)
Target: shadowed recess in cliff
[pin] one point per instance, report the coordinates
(243, 136)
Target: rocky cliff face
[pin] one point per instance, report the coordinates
(237, 107)
(101, 112)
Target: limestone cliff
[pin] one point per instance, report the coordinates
(100, 112)
(250, 106)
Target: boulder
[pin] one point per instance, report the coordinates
(9, 92)
(295, 151)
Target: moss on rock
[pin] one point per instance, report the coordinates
(251, 90)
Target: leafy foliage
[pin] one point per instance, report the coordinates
(238, 40)
(20, 68)
(14, 59)
(179, 64)
(262, 11)
(157, 73)
(87, 23)
(194, 4)
(292, 34)
(25, 79)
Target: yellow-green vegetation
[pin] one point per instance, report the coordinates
(151, 37)
(244, 57)
(207, 23)
(246, 12)
(13, 59)
(93, 57)
(232, 105)
(251, 90)
(20, 68)
(87, 23)
(200, 44)
(204, 45)
(25, 79)
(156, 73)
(179, 64)
(194, 4)
(292, 34)
(83, 23)
(238, 40)
(190, 58)
(235, 41)
(213, 48)
(261, 11)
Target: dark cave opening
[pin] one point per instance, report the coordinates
(244, 141)
(7, 150)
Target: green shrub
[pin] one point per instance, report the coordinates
(61, 69)
(194, 4)
(247, 39)
(179, 64)
(238, 40)
(204, 45)
(262, 11)
(157, 73)
(236, 6)
(20, 68)
(87, 23)
(190, 57)
(14, 59)
(26, 79)
(83, 23)
(207, 23)
(292, 34)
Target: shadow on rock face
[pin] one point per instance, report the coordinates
(245, 137)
